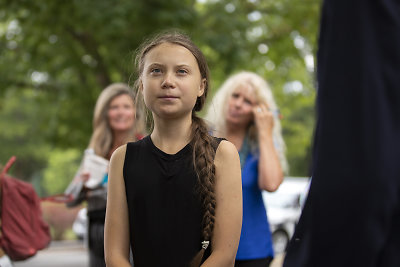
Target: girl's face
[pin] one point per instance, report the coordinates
(240, 106)
(171, 81)
(121, 113)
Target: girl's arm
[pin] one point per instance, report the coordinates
(116, 231)
(228, 213)
(270, 174)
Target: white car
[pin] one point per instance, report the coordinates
(284, 209)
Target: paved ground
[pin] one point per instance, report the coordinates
(74, 253)
(59, 254)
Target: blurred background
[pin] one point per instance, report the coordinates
(56, 57)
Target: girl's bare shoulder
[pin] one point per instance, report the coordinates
(118, 155)
(226, 153)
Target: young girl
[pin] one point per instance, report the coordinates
(175, 194)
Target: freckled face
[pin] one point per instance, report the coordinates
(121, 113)
(240, 106)
(171, 81)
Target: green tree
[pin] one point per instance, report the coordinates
(57, 56)
(24, 120)
(276, 39)
(62, 166)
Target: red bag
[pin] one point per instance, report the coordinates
(23, 231)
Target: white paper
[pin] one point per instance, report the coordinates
(97, 168)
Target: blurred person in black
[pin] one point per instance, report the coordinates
(352, 213)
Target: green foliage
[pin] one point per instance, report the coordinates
(57, 56)
(61, 168)
(271, 38)
(24, 121)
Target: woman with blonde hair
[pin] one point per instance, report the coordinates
(244, 112)
(104, 137)
(116, 121)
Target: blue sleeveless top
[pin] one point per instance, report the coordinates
(255, 239)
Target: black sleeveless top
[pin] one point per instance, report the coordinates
(165, 212)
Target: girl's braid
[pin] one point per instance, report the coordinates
(203, 158)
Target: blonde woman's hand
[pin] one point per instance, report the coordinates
(264, 120)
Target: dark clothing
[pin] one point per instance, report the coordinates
(96, 206)
(352, 214)
(165, 213)
(96, 239)
(265, 262)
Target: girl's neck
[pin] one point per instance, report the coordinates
(171, 136)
